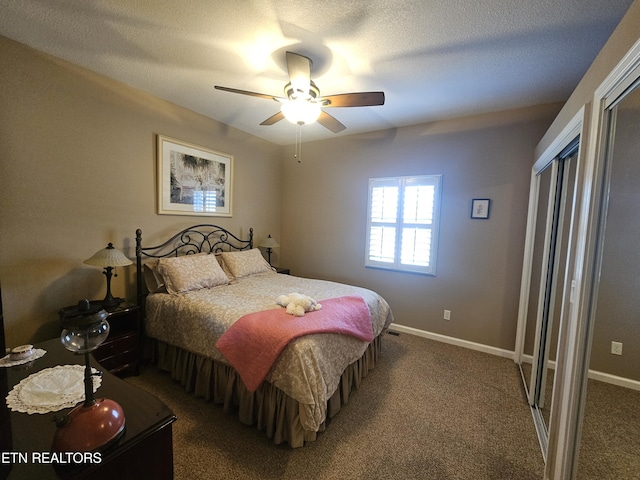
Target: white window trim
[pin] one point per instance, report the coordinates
(436, 181)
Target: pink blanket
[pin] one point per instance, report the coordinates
(255, 340)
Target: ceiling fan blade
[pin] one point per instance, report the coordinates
(245, 92)
(330, 122)
(273, 119)
(299, 68)
(362, 99)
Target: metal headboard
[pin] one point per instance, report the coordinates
(195, 239)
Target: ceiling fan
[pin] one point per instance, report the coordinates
(303, 104)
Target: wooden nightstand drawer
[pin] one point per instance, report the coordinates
(113, 346)
(120, 361)
(120, 353)
(122, 350)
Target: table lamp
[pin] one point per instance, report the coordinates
(109, 258)
(97, 423)
(269, 243)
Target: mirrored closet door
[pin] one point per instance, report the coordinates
(547, 286)
(610, 440)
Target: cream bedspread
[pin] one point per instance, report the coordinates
(308, 369)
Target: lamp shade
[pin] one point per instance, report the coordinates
(108, 257)
(269, 242)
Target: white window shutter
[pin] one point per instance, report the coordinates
(402, 223)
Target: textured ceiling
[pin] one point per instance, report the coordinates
(434, 59)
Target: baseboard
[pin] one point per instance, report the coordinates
(593, 374)
(596, 375)
(452, 341)
(615, 380)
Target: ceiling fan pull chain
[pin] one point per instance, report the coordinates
(298, 151)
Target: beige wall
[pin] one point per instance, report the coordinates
(78, 171)
(78, 164)
(479, 262)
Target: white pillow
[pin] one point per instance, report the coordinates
(191, 272)
(246, 262)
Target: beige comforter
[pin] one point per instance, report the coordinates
(308, 370)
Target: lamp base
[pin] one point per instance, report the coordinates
(111, 303)
(89, 428)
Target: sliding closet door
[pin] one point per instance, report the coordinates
(610, 442)
(544, 181)
(548, 289)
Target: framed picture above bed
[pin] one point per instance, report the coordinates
(193, 180)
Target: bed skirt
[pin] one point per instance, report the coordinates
(269, 408)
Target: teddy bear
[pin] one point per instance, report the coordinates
(297, 304)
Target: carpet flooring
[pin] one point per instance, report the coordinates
(610, 442)
(610, 446)
(427, 411)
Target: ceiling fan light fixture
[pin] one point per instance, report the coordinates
(302, 103)
(301, 111)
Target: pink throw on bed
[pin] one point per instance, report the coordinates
(254, 341)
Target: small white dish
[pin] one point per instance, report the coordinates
(20, 353)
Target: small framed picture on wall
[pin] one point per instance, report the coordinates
(480, 208)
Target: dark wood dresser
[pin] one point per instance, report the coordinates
(144, 451)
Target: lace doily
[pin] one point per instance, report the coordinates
(51, 389)
(7, 362)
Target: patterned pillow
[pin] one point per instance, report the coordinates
(191, 272)
(223, 266)
(245, 263)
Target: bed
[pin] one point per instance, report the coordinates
(201, 286)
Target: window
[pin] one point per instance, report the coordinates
(402, 223)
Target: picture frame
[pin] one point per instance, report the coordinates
(193, 180)
(480, 208)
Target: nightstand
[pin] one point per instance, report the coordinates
(283, 270)
(122, 351)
